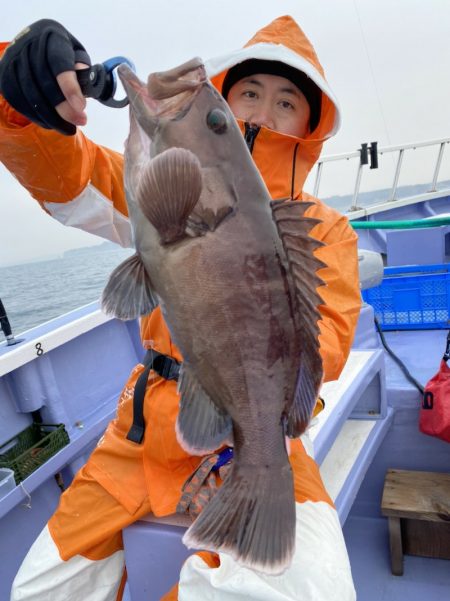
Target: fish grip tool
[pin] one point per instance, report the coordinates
(100, 81)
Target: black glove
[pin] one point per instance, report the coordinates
(28, 71)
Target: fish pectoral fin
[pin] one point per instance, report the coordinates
(168, 190)
(128, 293)
(201, 426)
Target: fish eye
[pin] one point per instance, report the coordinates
(217, 121)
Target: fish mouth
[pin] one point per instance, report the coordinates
(167, 94)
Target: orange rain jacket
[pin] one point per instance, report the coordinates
(80, 183)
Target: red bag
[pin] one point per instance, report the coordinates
(434, 416)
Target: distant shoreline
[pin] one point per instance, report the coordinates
(83, 250)
(34, 293)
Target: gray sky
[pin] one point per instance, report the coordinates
(388, 63)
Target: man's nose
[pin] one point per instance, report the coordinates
(261, 115)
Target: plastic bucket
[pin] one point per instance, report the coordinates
(7, 482)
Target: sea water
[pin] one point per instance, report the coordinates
(33, 293)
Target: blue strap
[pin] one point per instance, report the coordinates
(225, 457)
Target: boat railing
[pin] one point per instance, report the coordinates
(372, 151)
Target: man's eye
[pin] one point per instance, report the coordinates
(286, 105)
(217, 121)
(250, 94)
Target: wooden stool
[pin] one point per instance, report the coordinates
(418, 507)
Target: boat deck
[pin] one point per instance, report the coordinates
(375, 407)
(404, 447)
(368, 545)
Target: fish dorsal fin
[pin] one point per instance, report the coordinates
(168, 190)
(128, 293)
(294, 227)
(201, 426)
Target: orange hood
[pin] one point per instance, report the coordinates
(284, 161)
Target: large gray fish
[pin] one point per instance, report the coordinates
(235, 276)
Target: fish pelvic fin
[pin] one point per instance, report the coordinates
(294, 227)
(168, 190)
(251, 517)
(201, 426)
(128, 293)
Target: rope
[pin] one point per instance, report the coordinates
(397, 360)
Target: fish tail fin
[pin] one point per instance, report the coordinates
(251, 517)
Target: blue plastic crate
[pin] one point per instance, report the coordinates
(415, 297)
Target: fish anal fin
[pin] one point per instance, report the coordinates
(128, 293)
(168, 190)
(201, 426)
(309, 379)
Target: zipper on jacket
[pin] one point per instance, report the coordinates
(250, 133)
(294, 162)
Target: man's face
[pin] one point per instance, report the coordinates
(272, 101)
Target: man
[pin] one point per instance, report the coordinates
(276, 88)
